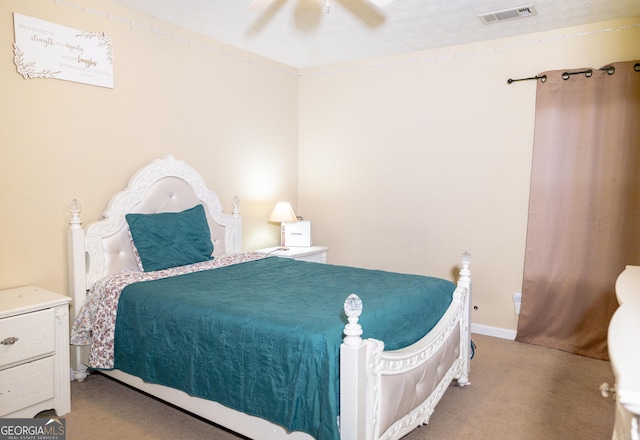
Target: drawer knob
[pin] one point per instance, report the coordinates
(9, 341)
(607, 390)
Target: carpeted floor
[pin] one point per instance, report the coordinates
(517, 392)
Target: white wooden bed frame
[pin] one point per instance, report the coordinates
(383, 394)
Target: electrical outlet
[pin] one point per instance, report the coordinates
(517, 299)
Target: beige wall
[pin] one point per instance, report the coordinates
(408, 161)
(402, 163)
(235, 121)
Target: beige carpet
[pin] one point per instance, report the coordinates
(517, 392)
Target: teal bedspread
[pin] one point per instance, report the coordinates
(263, 336)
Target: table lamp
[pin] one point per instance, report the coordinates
(282, 213)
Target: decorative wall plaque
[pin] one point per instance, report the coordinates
(48, 50)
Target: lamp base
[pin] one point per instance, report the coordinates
(282, 245)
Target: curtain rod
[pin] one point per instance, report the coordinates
(566, 75)
(542, 78)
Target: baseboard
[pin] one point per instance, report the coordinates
(496, 332)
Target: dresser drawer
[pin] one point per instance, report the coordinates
(26, 337)
(26, 385)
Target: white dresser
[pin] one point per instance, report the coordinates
(34, 352)
(316, 254)
(624, 352)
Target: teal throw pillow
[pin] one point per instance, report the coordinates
(170, 239)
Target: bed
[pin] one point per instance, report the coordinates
(275, 349)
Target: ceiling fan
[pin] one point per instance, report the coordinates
(258, 5)
(307, 12)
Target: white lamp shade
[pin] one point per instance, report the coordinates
(282, 213)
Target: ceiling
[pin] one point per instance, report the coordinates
(301, 34)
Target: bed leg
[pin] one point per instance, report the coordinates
(80, 375)
(79, 368)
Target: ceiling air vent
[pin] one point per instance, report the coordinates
(508, 14)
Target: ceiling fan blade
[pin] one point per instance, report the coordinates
(366, 11)
(258, 5)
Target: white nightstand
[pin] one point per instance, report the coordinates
(315, 254)
(34, 352)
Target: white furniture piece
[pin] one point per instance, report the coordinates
(624, 353)
(34, 352)
(383, 394)
(315, 254)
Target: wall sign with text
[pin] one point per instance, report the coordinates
(48, 50)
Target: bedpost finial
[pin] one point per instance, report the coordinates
(75, 208)
(353, 306)
(465, 259)
(236, 206)
(353, 330)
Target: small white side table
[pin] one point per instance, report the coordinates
(315, 254)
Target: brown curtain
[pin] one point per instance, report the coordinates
(584, 207)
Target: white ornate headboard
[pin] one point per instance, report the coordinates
(165, 185)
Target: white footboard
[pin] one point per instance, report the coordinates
(385, 395)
